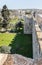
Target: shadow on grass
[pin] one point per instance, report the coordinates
(22, 44)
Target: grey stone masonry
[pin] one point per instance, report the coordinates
(27, 25)
(35, 42)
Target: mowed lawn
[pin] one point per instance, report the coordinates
(19, 43)
(6, 38)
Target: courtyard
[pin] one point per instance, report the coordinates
(19, 43)
(16, 33)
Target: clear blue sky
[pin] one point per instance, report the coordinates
(21, 4)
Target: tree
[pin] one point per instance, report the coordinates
(5, 15)
(19, 25)
(34, 14)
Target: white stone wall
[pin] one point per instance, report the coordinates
(27, 25)
(35, 42)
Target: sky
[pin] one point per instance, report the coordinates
(22, 4)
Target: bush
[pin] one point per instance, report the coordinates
(5, 49)
(0, 19)
(5, 14)
(0, 23)
(19, 26)
(22, 19)
(0, 26)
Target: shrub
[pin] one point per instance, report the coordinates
(22, 19)
(5, 49)
(5, 14)
(0, 23)
(19, 26)
(0, 19)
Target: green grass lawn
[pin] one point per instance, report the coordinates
(13, 21)
(19, 43)
(6, 38)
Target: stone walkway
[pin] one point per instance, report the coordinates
(37, 41)
(16, 59)
(39, 38)
(3, 57)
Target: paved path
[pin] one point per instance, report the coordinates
(39, 38)
(37, 41)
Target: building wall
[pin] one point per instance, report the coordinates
(27, 25)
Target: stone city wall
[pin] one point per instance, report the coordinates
(27, 25)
